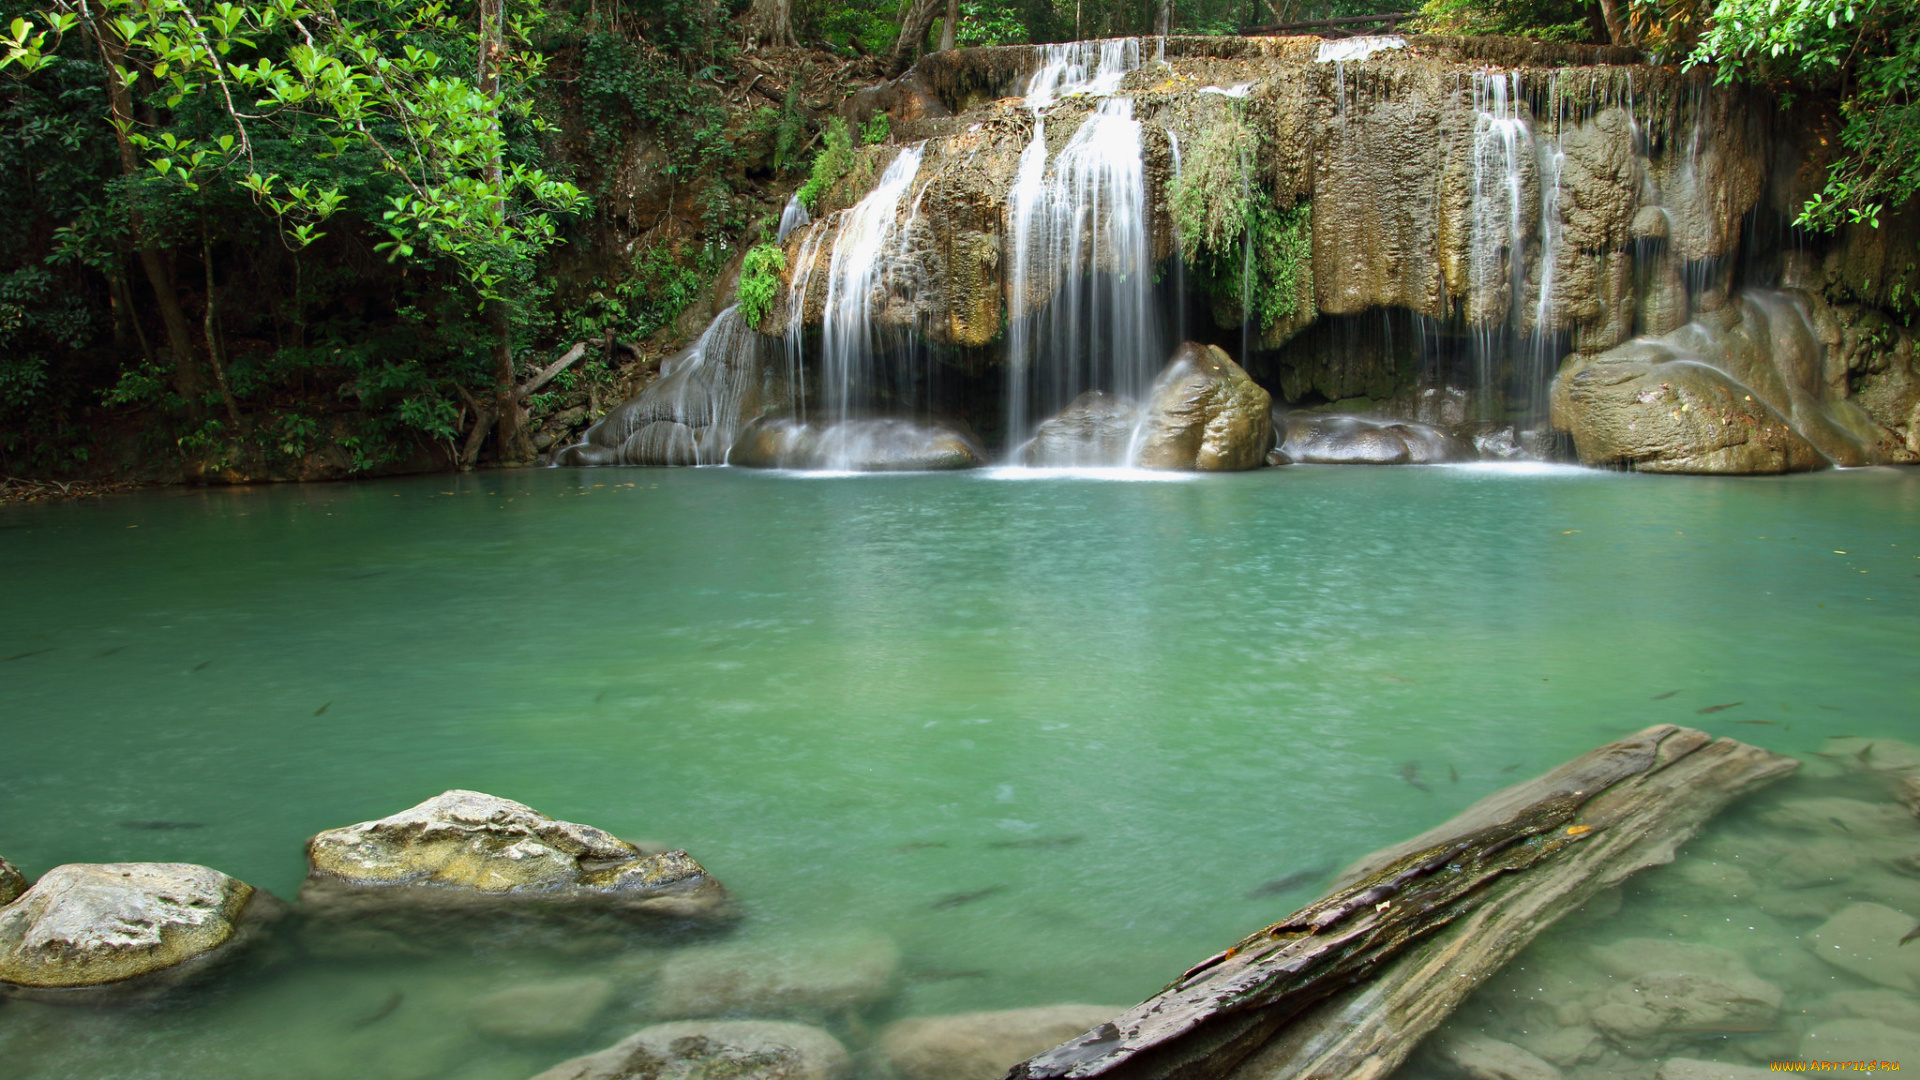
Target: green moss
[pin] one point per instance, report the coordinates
(1215, 203)
(832, 163)
(760, 280)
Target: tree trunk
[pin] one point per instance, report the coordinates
(512, 444)
(950, 27)
(769, 23)
(1614, 13)
(914, 27)
(186, 369)
(216, 352)
(1163, 19)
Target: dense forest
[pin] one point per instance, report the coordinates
(320, 238)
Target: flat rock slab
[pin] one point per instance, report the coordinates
(473, 853)
(89, 930)
(713, 1050)
(981, 1045)
(809, 981)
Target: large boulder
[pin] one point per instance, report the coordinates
(1631, 409)
(819, 979)
(96, 930)
(875, 445)
(982, 1045)
(468, 852)
(12, 883)
(1097, 429)
(1311, 438)
(713, 1050)
(1205, 414)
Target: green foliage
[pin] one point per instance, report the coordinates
(1870, 51)
(836, 157)
(649, 299)
(790, 128)
(760, 280)
(1226, 220)
(1539, 20)
(1209, 199)
(987, 22)
(877, 129)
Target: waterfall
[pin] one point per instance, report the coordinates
(853, 338)
(1080, 268)
(792, 217)
(1515, 212)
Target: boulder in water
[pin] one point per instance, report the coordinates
(1322, 439)
(875, 445)
(707, 1049)
(12, 883)
(542, 1011)
(465, 851)
(1205, 414)
(98, 930)
(1097, 429)
(982, 1045)
(819, 979)
(1673, 417)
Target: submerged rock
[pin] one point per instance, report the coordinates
(879, 445)
(809, 981)
(1856, 1040)
(1096, 430)
(465, 851)
(92, 930)
(1205, 414)
(1483, 1058)
(1322, 439)
(982, 1045)
(1692, 1069)
(713, 1050)
(543, 1011)
(1865, 940)
(12, 883)
(1675, 987)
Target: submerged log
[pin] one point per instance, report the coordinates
(1408, 932)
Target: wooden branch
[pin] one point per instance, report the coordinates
(1391, 18)
(1551, 841)
(546, 374)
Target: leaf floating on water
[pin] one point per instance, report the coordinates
(1665, 696)
(1717, 708)
(958, 899)
(1579, 830)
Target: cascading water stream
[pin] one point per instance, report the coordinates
(1080, 271)
(852, 337)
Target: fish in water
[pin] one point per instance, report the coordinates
(322, 709)
(1718, 708)
(24, 655)
(1911, 934)
(958, 899)
(1453, 774)
(109, 652)
(1410, 772)
(365, 576)
(1509, 768)
(157, 826)
(1281, 885)
(385, 1010)
(920, 845)
(926, 975)
(1842, 824)
(202, 665)
(1769, 723)
(1665, 696)
(1039, 842)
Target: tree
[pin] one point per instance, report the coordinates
(915, 21)
(1868, 51)
(770, 22)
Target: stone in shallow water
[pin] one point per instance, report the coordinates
(1886, 1006)
(1205, 414)
(1483, 1058)
(12, 883)
(465, 851)
(1677, 987)
(983, 1045)
(104, 929)
(1865, 940)
(1673, 417)
(713, 1050)
(1693, 1069)
(543, 1011)
(809, 980)
(1327, 439)
(1859, 1040)
(881, 445)
(1843, 818)
(1096, 430)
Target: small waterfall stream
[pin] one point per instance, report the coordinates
(853, 339)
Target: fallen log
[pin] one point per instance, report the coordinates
(1347, 986)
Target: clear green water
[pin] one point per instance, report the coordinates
(1209, 682)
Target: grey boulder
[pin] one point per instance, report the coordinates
(100, 930)
(713, 1049)
(465, 851)
(812, 980)
(875, 445)
(1096, 430)
(982, 1045)
(1205, 414)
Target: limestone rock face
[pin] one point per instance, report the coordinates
(1096, 430)
(468, 851)
(880, 445)
(108, 929)
(982, 1045)
(821, 979)
(12, 883)
(1205, 414)
(711, 1050)
(1322, 439)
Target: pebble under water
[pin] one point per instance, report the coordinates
(1047, 737)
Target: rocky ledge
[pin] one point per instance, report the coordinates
(105, 930)
(471, 853)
